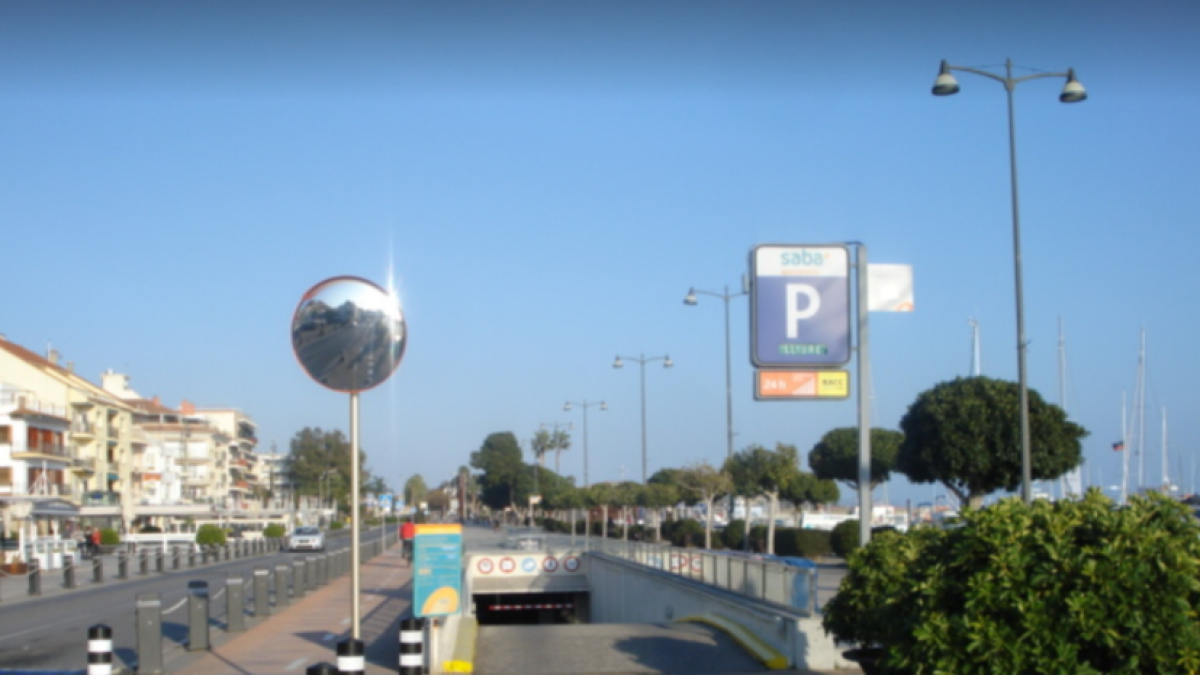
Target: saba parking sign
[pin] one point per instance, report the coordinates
(799, 306)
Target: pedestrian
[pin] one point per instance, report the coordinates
(95, 542)
(407, 531)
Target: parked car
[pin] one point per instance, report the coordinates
(306, 539)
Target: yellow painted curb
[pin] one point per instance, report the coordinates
(462, 660)
(758, 648)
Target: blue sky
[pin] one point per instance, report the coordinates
(545, 181)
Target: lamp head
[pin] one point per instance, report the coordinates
(690, 298)
(567, 406)
(945, 84)
(618, 363)
(667, 363)
(603, 405)
(1073, 91)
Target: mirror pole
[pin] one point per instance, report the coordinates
(355, 633)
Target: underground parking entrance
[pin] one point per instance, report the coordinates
(530, 609)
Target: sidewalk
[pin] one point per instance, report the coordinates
(308, 630)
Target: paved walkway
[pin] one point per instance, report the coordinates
(308, 630)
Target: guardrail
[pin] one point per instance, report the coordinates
(754, 576)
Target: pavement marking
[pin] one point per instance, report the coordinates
(296, 664)
(758, 648)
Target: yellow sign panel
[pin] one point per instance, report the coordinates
(801, 384)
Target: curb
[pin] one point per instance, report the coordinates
(765, 653)
(463, 658)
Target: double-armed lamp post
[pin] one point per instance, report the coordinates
(585, 404)
(1072, 92)
(642, 360)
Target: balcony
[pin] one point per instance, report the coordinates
(83, 431)
(52, 451)
(101, 499)
(84, 466)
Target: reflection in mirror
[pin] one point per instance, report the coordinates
(348, 334)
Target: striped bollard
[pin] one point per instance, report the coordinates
(350, 659)
(412, 646)
(100, 654)
(321, 669)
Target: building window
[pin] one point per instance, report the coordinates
(5, 435)
(6, 476)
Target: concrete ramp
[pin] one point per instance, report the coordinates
(667, 649)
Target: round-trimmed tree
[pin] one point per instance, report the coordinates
(966, 435)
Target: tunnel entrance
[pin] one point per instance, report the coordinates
(530, 609)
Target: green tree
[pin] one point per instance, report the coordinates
(499, 458)
(415, 490)
(757, 470)
(809, 489)
(835, 456)
(541, 443)
(656, 497)
(560, 442)
(707, 483)
(965, 434)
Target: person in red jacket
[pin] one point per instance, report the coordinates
(407, 532)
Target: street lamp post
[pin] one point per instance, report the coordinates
(585, 404)
(642, 360)
(726, 297)
(1072, 92)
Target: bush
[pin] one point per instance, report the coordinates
(799, 543)
(686, 533)
(109, 537)
(734, 532)
(336, 525)
(1069, 587)
(845, 539)
(274, 531)
(210, 535)
(150, 529)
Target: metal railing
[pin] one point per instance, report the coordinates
(757, 577)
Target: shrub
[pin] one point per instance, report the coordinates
(734, 532)
(687, 533)
(336, 525)
(150, 529)
(758, 538)
(210, 535)
(794, 542)
(109, 537)
(844, 538)
(274, 531)
(1069, 587)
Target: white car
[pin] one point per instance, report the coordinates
(306, 539)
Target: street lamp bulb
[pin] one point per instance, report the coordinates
(603, 405)
(667, 363)
(617, 363)
(567, 407)
(690, 299)
(945, 84)
(1073, 91)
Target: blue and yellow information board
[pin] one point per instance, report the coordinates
(437, 570)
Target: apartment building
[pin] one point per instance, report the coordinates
(76, 455)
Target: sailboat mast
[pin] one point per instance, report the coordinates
(1166, 479)
(1124, 452)
(1139, 412)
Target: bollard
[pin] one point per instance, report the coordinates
(281, 586)
(122, 565)
(235, 604)
(175, 553)
(412, 646)
(350, 657)
(97, 569)
(321, 669)
(99, 650)
(149, 634)
(322, 572)
(310, 572)
(68, 571)
(191, 556)
(197, 616)
(35, 577)
(261, 579)
(160, 561)
(297, 579)
(143, 562)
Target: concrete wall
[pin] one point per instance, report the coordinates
(625, 592)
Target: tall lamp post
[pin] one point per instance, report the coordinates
(1072, 92)
(726, 296)
(585, 404)
(642, 360)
